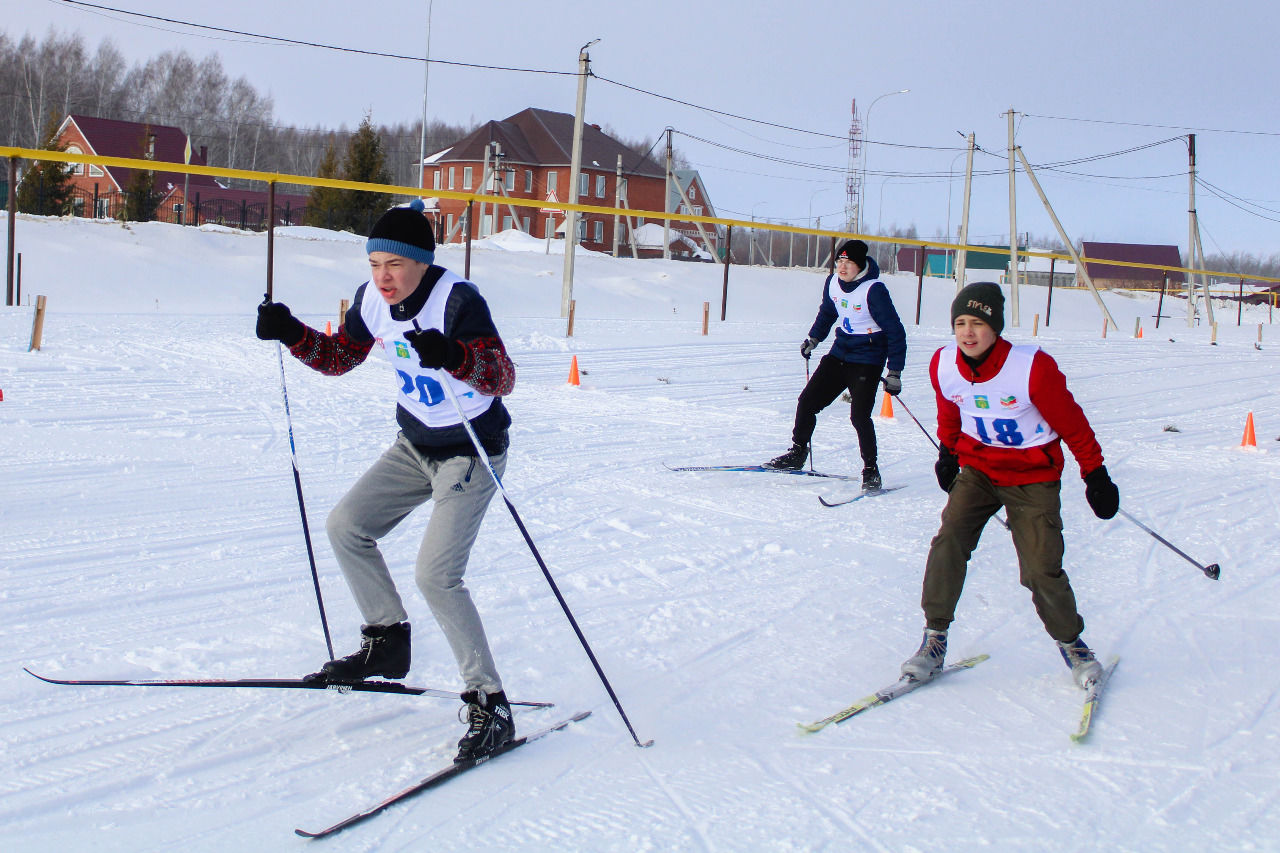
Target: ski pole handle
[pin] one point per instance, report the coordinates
(1211, 571)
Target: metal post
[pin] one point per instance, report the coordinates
(920, 283)
(466, 271)
(1048, 306)
(1240, 304)
(1164, 282)
(13, 218)
(724, 288)
(1013, 230)
(271, 231)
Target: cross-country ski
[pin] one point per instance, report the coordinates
(1092, 696)
(898, 689)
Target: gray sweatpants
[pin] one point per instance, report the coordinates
(399, 482)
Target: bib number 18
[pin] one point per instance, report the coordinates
(1006, 431)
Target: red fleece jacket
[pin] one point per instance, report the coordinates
(1011, 466)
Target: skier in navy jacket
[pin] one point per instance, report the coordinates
(869, 335)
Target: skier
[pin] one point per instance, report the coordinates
(868, 335)
(1003, 413)
(433, 327)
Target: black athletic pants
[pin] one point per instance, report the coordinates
(833, 377)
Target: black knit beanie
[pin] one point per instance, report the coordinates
(983, 300)
(854, 250)
(404, 231)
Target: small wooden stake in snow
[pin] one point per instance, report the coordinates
(37, 327)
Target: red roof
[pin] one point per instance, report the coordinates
(109, 137)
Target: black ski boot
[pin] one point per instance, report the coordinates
(385, 650)
(871, 478)
(792, 460)
(489, 725)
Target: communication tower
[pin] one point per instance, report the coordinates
(853, 178)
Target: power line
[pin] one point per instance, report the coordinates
(1150, 124)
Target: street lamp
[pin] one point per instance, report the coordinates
(866, 126)
(815, 241)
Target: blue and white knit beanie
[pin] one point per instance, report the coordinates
(404, 231)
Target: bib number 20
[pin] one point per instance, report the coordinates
(1006, 431)
(430, 391)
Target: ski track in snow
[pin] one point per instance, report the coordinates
(151, 529)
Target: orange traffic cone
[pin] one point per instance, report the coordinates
(1139, 331)
(573, 371)
(1248, 440)
(328, 328)
(886, 407)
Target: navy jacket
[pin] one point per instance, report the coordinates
(887, 345)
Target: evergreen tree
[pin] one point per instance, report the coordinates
(46, 187)
(365, 162)
(140, 197)
(323, 202)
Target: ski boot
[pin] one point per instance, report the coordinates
(871, 478)
(1085, 668)
(489, 725)
(927, 661)
(385, 650)
(792, 460)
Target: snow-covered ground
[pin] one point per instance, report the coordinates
(150, 528)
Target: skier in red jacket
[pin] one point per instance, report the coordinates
(1003, 413)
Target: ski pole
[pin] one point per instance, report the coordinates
(484, 457)
(297, 485)
(905, 408)
(1211, 571)
(806, 382)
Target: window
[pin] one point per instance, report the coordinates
(528, 180)
(466, 177)
(76, 168)
(449, 222)
(551, 180)
(436, 182)
(582, 230)
(77, 206)
(453, 179)
(524, 225)
(601, 184)
(95, 171)
(697, 210)
(599, 228)
(507, 224)
(693, 192)
(510, 182)
(583, 184)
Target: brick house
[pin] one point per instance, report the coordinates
(528, 156)
(99, 191)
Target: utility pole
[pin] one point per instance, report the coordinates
(962, 254)
(1013, 230)
(617, 202)
(422, 142)
(575, 166)
(666, 203)
(1193, 241)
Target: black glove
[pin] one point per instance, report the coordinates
(893, 382)
(947, 468)
(1101, 493)
(277, 323)
(436, 350)
(807, 348)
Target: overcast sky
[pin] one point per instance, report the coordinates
(1087, 79)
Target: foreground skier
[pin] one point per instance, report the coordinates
(1003, 413)
(432, 458)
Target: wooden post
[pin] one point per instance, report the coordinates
(1104, 327)
(1137, 326)
(573, 306)
(1213, 335)
(1259, 333)
(37, 327)
(706, 317)
(343, 305)
(724, 288)
(17, 290)
(831, 260)
(1240, 303)
(1035, 327)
